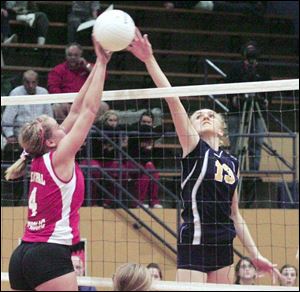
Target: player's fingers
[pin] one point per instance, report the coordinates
(138, 33)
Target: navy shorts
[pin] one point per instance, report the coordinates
(204, 257)
(32, 264)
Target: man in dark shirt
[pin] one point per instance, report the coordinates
(248, 70)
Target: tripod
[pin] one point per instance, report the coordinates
(252, 116)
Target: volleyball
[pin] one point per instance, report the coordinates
(114, 30)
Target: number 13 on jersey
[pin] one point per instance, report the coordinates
(228, 176)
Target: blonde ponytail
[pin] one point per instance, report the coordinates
(32, 138)
(17, 169)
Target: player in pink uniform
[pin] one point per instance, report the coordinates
(43, 260)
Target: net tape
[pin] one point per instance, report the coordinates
(178, 286)
(152, 93)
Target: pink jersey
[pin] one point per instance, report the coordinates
(53, 205)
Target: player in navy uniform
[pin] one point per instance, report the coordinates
(211, 217)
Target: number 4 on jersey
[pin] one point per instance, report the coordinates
(32, 202)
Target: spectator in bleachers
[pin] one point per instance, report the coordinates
(245, 272)
(27, 12)
(247, 70)
(108, 155)
(67, 77)
(6, 35)
(155, 271)
(92, 160)
(81, 11)
(146, 119)
(132, 277)
(140, 147)
(289, 275)
(70, 75)
(14, 117)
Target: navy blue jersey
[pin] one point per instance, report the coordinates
(208, 181)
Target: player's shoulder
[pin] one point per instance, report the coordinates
(233, 157)
(230, 156)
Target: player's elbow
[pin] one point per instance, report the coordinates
(235, 215)
(91, 106)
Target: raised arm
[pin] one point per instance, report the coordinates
(69, 121)
(188, 136)
(64, 156)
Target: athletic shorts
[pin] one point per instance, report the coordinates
(204, 257)
(32, 264)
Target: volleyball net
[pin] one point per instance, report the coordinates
(118, 227)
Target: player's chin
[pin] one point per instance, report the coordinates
(207, 130)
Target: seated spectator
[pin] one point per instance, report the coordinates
(245, 272)
(14, 117)
(6, 36)
(80, 272)
(81, 11)
(27, 12)
(289, 276)
(89, 156)
(146, 118)
(108, 155)
(140, 148)
(155, 271)
(67, 77)
(132, 277)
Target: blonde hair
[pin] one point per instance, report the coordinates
(32, 139)
(132, 277)
(108, 114)
(223, 126)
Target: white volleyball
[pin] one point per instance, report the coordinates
(114, 30)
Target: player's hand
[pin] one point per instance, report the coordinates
(85, 64)
(141, 47)
(278, 277)
(264, 265)
(103, 56)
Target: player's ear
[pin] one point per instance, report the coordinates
(50, 143)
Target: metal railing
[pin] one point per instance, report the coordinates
(118, 183)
